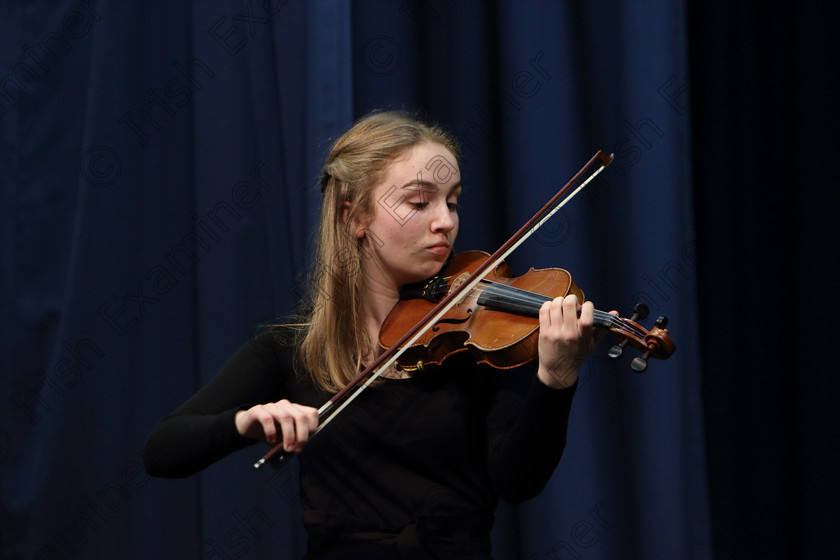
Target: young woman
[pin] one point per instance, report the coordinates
(414, 467)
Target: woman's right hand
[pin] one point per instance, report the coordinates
(295, 422)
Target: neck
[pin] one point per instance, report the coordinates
(377, 302)
(380, 295)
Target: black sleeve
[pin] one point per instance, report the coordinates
(202, 430)
(527, 437)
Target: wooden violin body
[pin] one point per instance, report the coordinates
(498, 322)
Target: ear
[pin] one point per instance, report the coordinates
(359, 226)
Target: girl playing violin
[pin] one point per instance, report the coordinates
(415, 466)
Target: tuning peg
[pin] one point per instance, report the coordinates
(639, 363)
(640, 311)
(661, 321)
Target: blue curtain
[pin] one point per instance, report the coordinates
(158, 168)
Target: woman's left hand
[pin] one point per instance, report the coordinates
(565, 340)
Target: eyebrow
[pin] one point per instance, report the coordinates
(430, 186)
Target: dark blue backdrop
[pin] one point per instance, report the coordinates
(158, 167)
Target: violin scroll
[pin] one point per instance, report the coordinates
(655, 343)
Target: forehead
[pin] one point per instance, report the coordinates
(426, 162)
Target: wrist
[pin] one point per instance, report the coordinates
(562, 379)
(240, 423)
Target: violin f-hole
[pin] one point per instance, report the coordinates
(452, 320)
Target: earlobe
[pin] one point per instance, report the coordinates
(360, 230)
(359, 226)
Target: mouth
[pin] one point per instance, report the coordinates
(439, 248)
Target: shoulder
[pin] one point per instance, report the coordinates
(275, 343)
(270, 350)
(278, 336)
(279, 346)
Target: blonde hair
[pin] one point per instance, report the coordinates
(333, 338)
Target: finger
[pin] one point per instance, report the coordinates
(545, 315)
(312, 419)
(554, 319)
(302, 430)
(266, 421)
(286, 420)
(306, 423)
(557, 311)
(587, 314)
(570, 308)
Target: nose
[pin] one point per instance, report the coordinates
(444, 219)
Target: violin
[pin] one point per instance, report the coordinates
(497, 322)
(455, 298)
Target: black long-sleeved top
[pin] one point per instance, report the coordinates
(420, 459)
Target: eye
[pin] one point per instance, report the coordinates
(453, 206)
(419, 205)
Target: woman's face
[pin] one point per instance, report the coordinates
(415, 217)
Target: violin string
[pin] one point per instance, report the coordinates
(608, 319)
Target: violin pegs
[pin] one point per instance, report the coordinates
(639, 363)
(640, 311)
(617, 350)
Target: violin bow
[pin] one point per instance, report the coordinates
(277, 456)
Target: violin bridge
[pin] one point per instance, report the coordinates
(456, 283)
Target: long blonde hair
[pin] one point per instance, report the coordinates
(333, 339)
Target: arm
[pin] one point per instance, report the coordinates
(527, 448)
(226, 414)
(527, 436)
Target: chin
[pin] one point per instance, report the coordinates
(425, 273)
(425, 270)
(432, 271)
